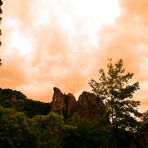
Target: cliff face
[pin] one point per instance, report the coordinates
(57, 101)
(63, 104)
(87, 106)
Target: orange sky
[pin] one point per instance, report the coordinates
(49, 43)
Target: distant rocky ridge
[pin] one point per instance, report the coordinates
(88, 105)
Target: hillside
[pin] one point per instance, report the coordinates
(63, 123)
(15, 99)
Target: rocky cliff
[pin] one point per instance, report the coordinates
(62, 103)
(87, 106)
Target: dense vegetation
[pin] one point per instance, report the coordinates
(116, 90)
(18, 101)
(19, 130)
(26, 123)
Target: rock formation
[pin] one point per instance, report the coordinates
(87, 106)
(57, 101)
(63, 104)
(71, 104)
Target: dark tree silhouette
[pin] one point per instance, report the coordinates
(0, 22)
(0, 16)
(115, 89)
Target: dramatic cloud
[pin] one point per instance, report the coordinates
(127, 38)
(48, 43)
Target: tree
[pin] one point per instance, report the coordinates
(116, 90)
(48, 129)
(15, 130)
(17, 100)
(145, 117)
(0, 22)
(86, 134)
(142, 134)
(0, 14)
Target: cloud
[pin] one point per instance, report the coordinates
(12, 75)
(127, 39)
(58, 56)
(68, 47)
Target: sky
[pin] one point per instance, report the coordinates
(63, 43)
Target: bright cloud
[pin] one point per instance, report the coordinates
(50, 43)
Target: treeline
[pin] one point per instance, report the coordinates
(26, 123)
(18, 129)
(19, 102)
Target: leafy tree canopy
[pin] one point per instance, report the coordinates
(48, 129)
(15, 99)
(15, 130)
(116, 90)
(0, 22)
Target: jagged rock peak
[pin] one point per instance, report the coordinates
(55, 89)
(89, 107)
(71, 103)
(57, 95)
(57, 100)
(63, 103)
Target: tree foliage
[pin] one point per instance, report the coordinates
(145, 117)
(14, 130)
(0, 22)
(142, 134)
(116, 90)
(48, 130)
(87, 134)
(15, 99)
(0, 14)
